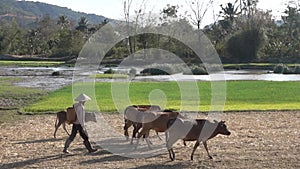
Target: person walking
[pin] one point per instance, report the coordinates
(78, 125)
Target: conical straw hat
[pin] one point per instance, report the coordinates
(83, 97)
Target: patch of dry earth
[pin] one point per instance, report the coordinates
(258, 140)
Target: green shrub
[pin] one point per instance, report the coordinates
(287, 70)
(165, 69)
(111, 65)
(196, 70)
(297, 69)
(109, 71)
(132, 72)
(55, 73)
(284, 69)
(199, 71)
(279, 68)
(153, 71)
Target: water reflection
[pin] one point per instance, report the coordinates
(228, 75)
(41, 77)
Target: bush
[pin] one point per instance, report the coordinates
(132, 72)
(153, 71)
(287, 70)
(297, 69)
(55, 73)
(244, 46)
(109, 71)
(199, 71)
(278, 68)
(196, 70)
(165, 69)
(284, 69)
(111, 65)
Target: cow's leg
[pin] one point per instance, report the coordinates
(158, 136)
(64, 127)
(194, 149)
(137, 127)
(134, 132)
(140, 134)
(171, 154)
(169, 147)
(205, 146)
(137, 141)
(127, 124)
(147, 140)
(57, 125)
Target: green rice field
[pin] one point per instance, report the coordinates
(240, 96)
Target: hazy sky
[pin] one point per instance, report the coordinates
(114, 8)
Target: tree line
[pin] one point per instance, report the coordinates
(49, 38)
(243, 33)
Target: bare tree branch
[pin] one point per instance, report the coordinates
(198, 10)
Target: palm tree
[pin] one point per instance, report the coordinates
(63, 21)
(82, 24)
(229, 12)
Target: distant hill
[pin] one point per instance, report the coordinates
(27, 12)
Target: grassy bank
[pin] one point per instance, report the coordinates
(14, 97)
(241, 95)
(9, 90)
(30, 63)
(109, 76)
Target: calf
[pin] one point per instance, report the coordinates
(156, 121)
(61, 119)
(195, 132)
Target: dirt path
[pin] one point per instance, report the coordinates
(258, 140)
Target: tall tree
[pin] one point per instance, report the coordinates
(248, 7)
(46, 28)
(126, 10)
(292, 27)
(82, 24)
(63, 22)
(11, 38)
(169, 14)
(230, 12)
(132, 23)
(198, 10)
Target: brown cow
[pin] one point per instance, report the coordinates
(132, 117)
(61, 119)
(156, 121)
(194, 129)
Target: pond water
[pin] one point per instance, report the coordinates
(227, 75)
(41, 77)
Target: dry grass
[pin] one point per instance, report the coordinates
(258, 140)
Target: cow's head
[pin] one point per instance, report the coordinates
(222, 128)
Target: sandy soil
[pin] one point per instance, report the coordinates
(258, 140)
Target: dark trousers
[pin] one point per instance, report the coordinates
(75, 128)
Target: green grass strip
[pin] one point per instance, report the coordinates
(30, 63)
(7, 90)
(110, 76)
(241, 95)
